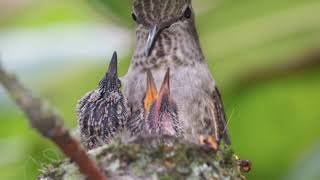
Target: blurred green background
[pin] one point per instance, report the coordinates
(264, 56)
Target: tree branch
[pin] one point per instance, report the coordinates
(302, 63)
(49, 124)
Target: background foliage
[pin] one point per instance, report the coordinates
(274, 123)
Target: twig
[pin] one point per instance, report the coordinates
(299, 64)
(49, 124)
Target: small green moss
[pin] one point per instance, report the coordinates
(156, 160)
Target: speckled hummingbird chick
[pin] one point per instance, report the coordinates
(103, 113)
(159, 115)
(166, 37)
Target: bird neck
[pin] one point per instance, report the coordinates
(176, 46)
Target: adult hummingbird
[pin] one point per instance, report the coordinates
(166, 37)
(103, 112)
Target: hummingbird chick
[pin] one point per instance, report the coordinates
(159, 115)
(103, 113)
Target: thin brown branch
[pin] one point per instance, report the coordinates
(307, 61)
(49, 124)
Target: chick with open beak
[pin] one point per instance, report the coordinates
(103, 113)
(159, 116)
(163, 116)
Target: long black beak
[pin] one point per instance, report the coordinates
(153, 32)
(113, 66)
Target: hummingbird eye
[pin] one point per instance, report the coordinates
(187, 13)
(134, 17)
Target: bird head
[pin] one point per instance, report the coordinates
(162, 116)
(155, 16)
(137, 123)
(110, 82)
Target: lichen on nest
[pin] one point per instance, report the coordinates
(152, 158)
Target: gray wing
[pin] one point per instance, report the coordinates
(220, 117)
(214, 117)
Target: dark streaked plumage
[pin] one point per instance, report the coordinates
(103, 113)
(160, 113)
(137, 122)
(166, 37)
(163, 117)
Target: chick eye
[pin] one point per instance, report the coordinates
(134, 17)
(188, 13)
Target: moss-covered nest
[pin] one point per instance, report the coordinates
(148, 158)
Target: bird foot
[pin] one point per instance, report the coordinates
(209, 141)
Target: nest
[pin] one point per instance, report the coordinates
(152, 158)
